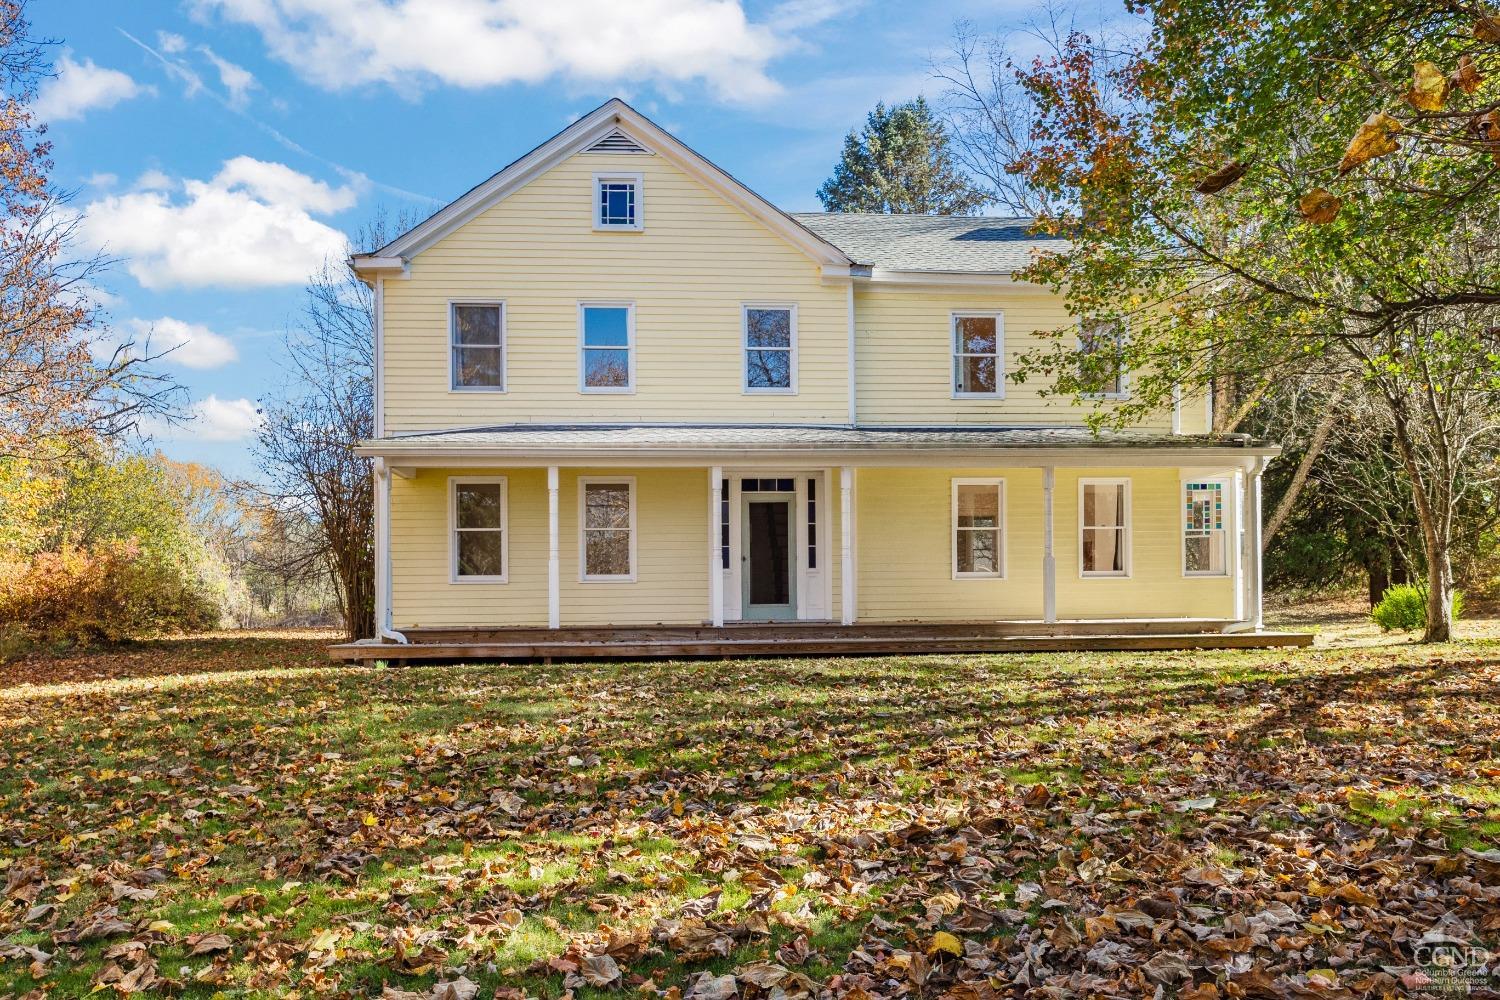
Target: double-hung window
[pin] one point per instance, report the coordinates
(606, 520)
(770, 348)
(478, 512)
(1104, 527)
(477, 339)
(978, 528)
(1102, 344)
(617, 201)
(978, 360)
(1205, 543)
(607, 347)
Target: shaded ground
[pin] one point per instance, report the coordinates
(232, 816)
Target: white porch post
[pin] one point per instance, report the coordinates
(715, 559)
(1049, 561)
(1240, 548)
(382, 547)
(554, 572)
(1252, 515)
(847, 592)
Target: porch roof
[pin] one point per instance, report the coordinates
(827, 444)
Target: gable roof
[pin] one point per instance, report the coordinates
(958, 244)
(603, 122)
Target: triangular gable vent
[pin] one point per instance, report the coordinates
(616, 142)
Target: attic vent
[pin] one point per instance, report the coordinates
(616, 142)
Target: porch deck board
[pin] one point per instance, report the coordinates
(811, 639)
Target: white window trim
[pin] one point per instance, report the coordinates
(639, 180)
(745, 349)
(624, 390)
(504, 385)
(454, 482)
(954, 354)
(583, 563)
(1226, 487)
(1004, 526)
(1124, 391)
(1129, 533)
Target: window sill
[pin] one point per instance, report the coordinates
(979, 395)
(750, 391)
(979, 576)
(1086, 575)
(630, 391)
(606, 579)
(468, 580)
(618, 229)
(497, 390)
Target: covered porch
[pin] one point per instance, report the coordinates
(523, 542)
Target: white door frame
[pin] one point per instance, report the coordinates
(813, 585)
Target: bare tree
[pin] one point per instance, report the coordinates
(305, 445)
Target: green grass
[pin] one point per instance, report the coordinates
(390, 811)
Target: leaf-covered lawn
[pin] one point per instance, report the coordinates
(235, 817)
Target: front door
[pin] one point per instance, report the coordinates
(768, 561)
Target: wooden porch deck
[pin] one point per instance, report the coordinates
(812, 639)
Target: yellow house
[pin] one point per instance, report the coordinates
(620, 396)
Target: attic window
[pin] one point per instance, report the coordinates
(616, 142)
(617, 201)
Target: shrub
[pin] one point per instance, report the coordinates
(1403, 608)
(101, 594)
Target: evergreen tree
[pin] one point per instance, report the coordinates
(900, 163)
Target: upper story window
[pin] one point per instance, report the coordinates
(478, 344)
(978, 340)
(1104, 527)
(617, 201)
(770, 348)
(606, 347)
(1107, 338)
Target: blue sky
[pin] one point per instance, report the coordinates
(219, 148)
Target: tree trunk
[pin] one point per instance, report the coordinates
(1380, 579)
(1436, 531)
(1299, 478)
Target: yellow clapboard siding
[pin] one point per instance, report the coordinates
(903, 552)
(688, 273)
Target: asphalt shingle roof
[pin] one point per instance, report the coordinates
(618, 439)
(956, 243)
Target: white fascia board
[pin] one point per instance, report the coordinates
(812, 457)
(585, 132)
(993, 279)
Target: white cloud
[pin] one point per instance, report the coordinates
(80, 87)
(237, 80)
(191, 345)
(154, 180)
(252, 225)
(215, 419)
(480, 43)
(169, 42)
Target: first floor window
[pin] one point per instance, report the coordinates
(1104, 341)
(1104, 524)
(812, 524)
(608, 336)
(479, 530)
(608, 521)
(978, 545)
(478, 345)
(976, 355)
(769, 338)
(1204, 542)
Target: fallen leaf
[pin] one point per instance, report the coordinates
(943, 942)
(205, 944)
(599, 970)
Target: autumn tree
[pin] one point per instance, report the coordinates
(1263, 193)
(900, 162)
(64, 378)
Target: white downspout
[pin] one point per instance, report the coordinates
(853, 398)
(383, 620)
